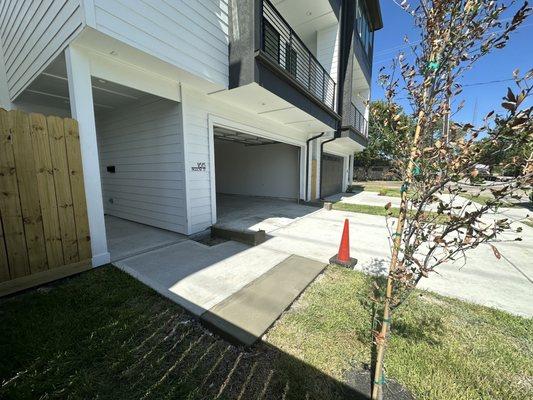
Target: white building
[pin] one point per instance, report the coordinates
(178, 100)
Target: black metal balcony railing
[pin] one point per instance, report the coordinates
(358, 121)
(283, 46)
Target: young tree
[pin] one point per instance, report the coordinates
(435, 223)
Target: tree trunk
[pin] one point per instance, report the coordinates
(382, 338)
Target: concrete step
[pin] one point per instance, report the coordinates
(252, 238)
(246, 315)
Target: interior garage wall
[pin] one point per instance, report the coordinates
(271, 170)
(144, 143)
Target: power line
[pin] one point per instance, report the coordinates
(398, 47)
(488, 82)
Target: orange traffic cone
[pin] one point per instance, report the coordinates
(343, 257)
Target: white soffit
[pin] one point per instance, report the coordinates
(306, 17)
(50, 88)
(257, 100)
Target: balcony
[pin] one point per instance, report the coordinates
(358, 121)
(282, 46)
(273, 70)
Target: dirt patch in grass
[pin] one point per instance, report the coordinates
(360, 379)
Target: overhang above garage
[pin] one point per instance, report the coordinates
(260, 101)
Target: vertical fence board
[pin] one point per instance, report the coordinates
(29, 197)
(4, 265)
(10, 203)
(63, 193)
(72, 139)
(46, 189)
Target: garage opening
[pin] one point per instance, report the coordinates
(140, 152)
(331, 175)
(257, 179)
(141, 167)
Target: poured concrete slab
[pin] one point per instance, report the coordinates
(197, 276)
(127, 238)
(247, 314)
(249, 213)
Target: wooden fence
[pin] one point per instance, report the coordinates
(44, 230)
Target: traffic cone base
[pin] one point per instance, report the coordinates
(350, 263)
(343, 256)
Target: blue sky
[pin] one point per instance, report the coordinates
(479, 99)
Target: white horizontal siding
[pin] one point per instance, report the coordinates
(145, 144)
(33, 33)
(190, 34)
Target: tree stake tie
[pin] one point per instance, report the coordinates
(396, 234)
(404, 188)
(387, 320)
(381, 380)
(433, 65)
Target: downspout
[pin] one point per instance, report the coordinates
(307, 161)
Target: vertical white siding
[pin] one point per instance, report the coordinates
(190, 34)
(33, 32)
(327, 44)
(145, 144)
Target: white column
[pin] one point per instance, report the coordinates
(5, 98)
(82, 109)
(350, 171)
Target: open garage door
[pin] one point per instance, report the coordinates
(249, 165)
(331, 178)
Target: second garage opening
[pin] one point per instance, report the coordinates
(331, 174)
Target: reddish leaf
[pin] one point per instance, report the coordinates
(510, 95)
(509, 105)
(388, 205)
(497, 254)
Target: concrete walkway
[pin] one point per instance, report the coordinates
(237, 289)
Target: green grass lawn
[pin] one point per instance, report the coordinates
(441, 348)
(381, 211)
(104, 335)
(383, 188)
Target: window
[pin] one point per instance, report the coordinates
(363, 27)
